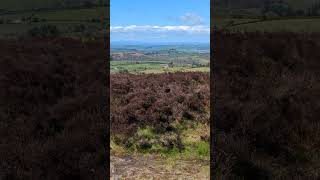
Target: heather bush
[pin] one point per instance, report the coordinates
(157, 100)
(44, 31)
(266, 120)
(52, 110)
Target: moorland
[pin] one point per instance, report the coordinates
(53, 109)
(266, 80)
(160, 110)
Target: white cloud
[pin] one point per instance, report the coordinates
(192, 18)
(149, 28)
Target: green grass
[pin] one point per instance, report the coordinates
(152, 67)
(64, 14)
(203, 148)
(81, 14)
(64, 19)
(193, 146)
(28, 4)
(117, 149)
(288, 25)
(66, 29)
(146, 133)
(223, 21)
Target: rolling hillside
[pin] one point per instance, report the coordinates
(254, 8)
(70, 17)
(297, 4)
(31, 4)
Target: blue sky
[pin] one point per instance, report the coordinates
(160, 20)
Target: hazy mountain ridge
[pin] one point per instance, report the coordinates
(148, 47)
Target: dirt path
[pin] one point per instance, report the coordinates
(149, 167)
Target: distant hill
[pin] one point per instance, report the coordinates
(276, 7)
(297, 4)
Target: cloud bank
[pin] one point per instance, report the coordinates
(149, 28)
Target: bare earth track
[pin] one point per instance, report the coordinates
(150, 167)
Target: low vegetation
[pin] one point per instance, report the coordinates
(302, 24)
(266, 124)
(52, 109)
(74, 22)
(267, 15)
(147, 67)
(161, 114)
(146, 59)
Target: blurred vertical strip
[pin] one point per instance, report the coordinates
(212, 91)
(106, 51)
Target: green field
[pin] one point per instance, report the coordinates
(29, 4)
(81, 14)
(66, 28)
(152, 67)
(277, 25)
(66, 20)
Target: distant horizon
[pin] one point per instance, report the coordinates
(158, 43)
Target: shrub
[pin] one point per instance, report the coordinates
(123, 70)
(265, 111)
(53, 110)
(44, 31)
(157, 100)
(79, 28)
(35, 19)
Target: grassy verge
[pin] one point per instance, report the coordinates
(186, 140)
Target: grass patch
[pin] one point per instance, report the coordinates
(184, 143)
(146, 133)
(203, 148)
(117, 149)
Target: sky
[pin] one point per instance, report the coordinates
(160, 21)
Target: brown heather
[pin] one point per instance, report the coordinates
(267, 106)
(156, 100)
(52, 109)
